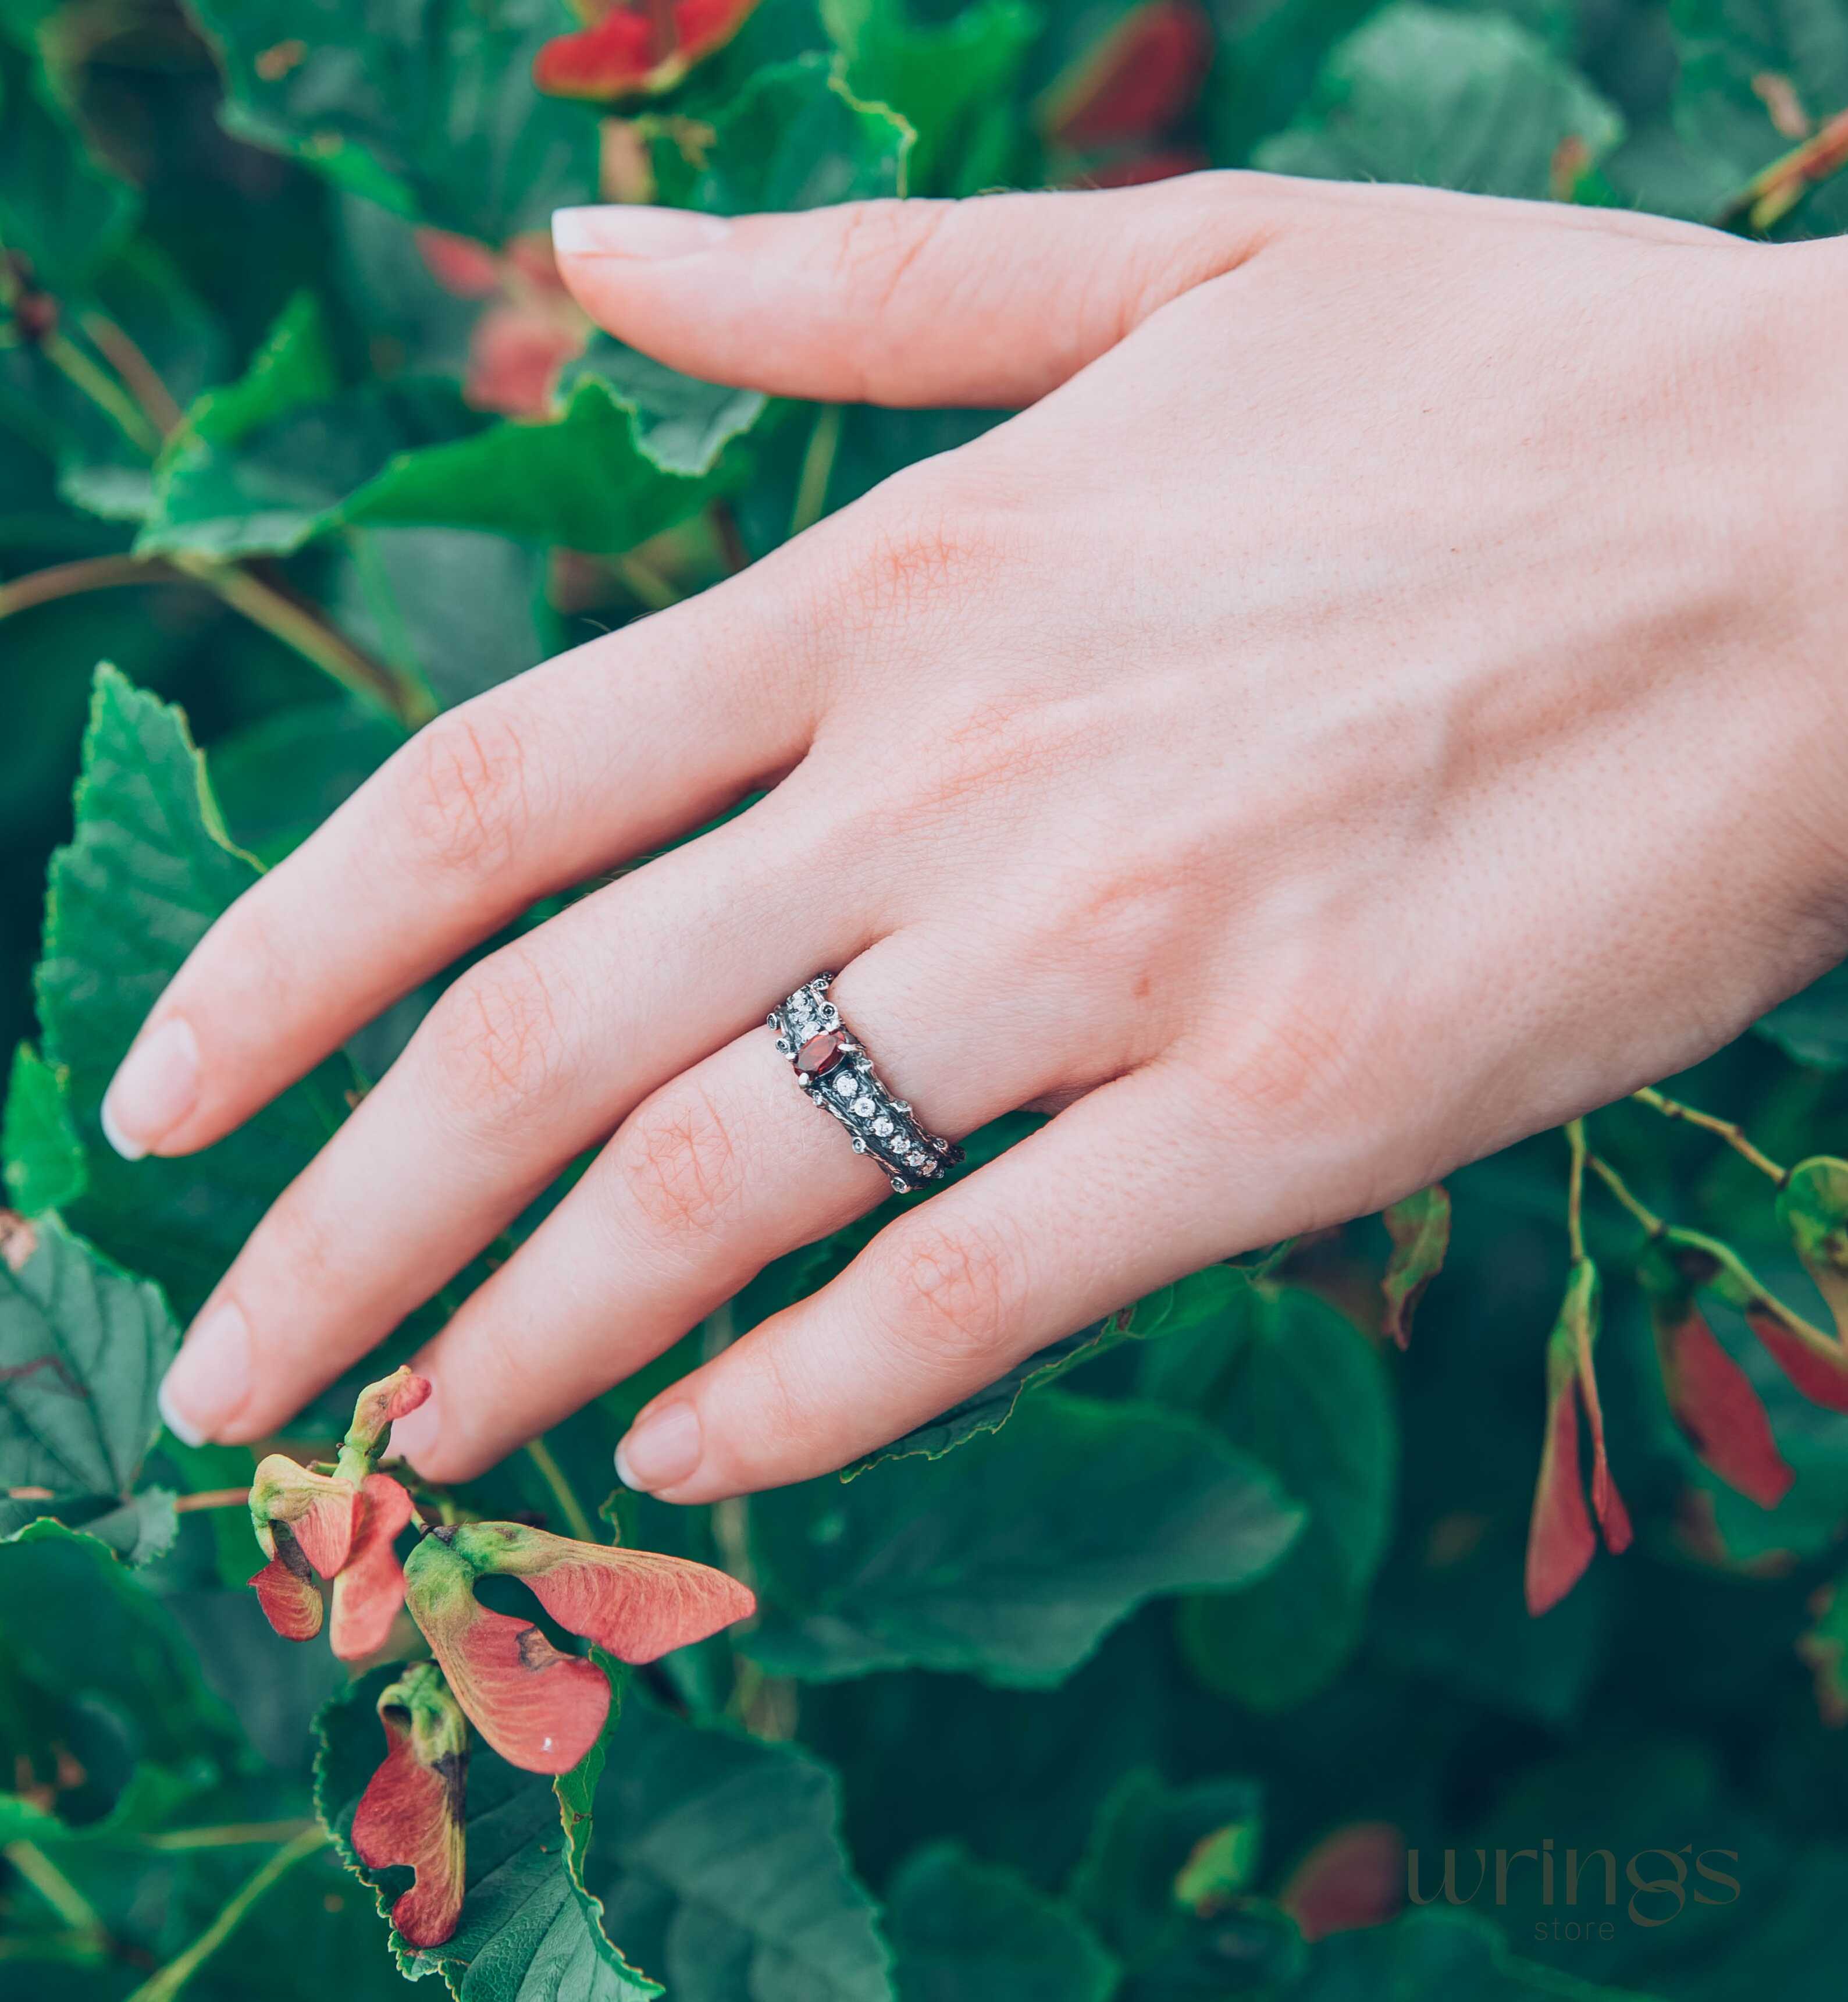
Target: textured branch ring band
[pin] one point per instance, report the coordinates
(834, 1069)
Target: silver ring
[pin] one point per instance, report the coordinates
(833, 1068)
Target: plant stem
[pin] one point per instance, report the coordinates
(1614, 1183)
(1575, 1190)
(1733, 1134)
(297, 626)
(162, 1986)
(569, 1507)
(138, 374)
(55, 1887)
(212, 1497)
(71, 579)
(647, 583)
(1768, 196)
(818, 469)
(115, 403)
(231, 1834)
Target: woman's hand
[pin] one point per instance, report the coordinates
(1380, 699)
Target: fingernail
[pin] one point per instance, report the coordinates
(153, 1090)
(415, 1433)
(211, 1377)
(661, 1450)
(623, 231)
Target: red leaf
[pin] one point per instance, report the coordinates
(1353, 1879)
(410, 1815)
(370, 1588)
(1713, 1403)
(1560, 1540)
(636, 50)
(285, 1589)
(469, 270)
(636, 1605)
(515, 355)
(1140, 80)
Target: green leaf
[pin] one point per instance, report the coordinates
(1812, 1026)
(1296, 1385)
(528, 1931)
(91, 1662)
(59, 207)
(82, 1350)
(278, 781)
(428, 109)
(681, 425)
(1453, 1955)
(954, 82)
(795, 137)
(1420, 1228)
(1747, 65)
(965, 1931)
(149, 868)
(1011, 1561)
(713, 1860)
(1447, 100)
(42, 1154)
(720, 1869)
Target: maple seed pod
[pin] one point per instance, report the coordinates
(378, 1408)
(1813, 1207)
(410, 1815)
(1816, 1363)
(1353, 1879)
(539, 1709)
(1709, 1396)
(322, 1510)
(1560, 1538)
(370, 1588)
(285, 1588)
(1137, 83)
(629, 51)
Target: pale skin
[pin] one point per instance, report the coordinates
(1380, 699)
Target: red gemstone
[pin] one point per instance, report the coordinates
(819, 1055)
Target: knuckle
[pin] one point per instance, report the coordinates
(499, 1036)
(466, 800)
(875, 245)
(952, 1296)
(922, 547)
(678, 1164)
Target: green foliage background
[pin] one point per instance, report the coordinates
(1241, 1567)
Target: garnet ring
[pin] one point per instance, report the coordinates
(834, 1070)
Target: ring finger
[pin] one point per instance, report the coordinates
(720, 1171)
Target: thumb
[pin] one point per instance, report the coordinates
(994, 300)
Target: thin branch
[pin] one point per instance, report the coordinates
(162, 1987)
(114, 402)
(569, 1507)
(647, 583)
(213, 1498)
(1575, 1191)
(139, 375)
(1733, 1134)
(71, 579)
(230, 1835)
(1616, 1184)
(55, 1887)
(818, 469)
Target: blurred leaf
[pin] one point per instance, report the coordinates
(1296, 1385)
(1812, 1026)
(954, 82)
(795, 137)
(1420, 1228)
(148, 870)
(429, 110)
(40, 1146)
(278, 781)
(1447, 100)
(83, 1348)
(682, 425)
(1453, 1954)
(1012, 1560)
(965, 1931)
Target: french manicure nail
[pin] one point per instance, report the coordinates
(661, 1450)
(625, 231)
(156, 1089)
(414, 1434)
(211, 1377)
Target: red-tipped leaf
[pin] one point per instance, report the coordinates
(370, 1589)
(286, 1590)
(410, 1815)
